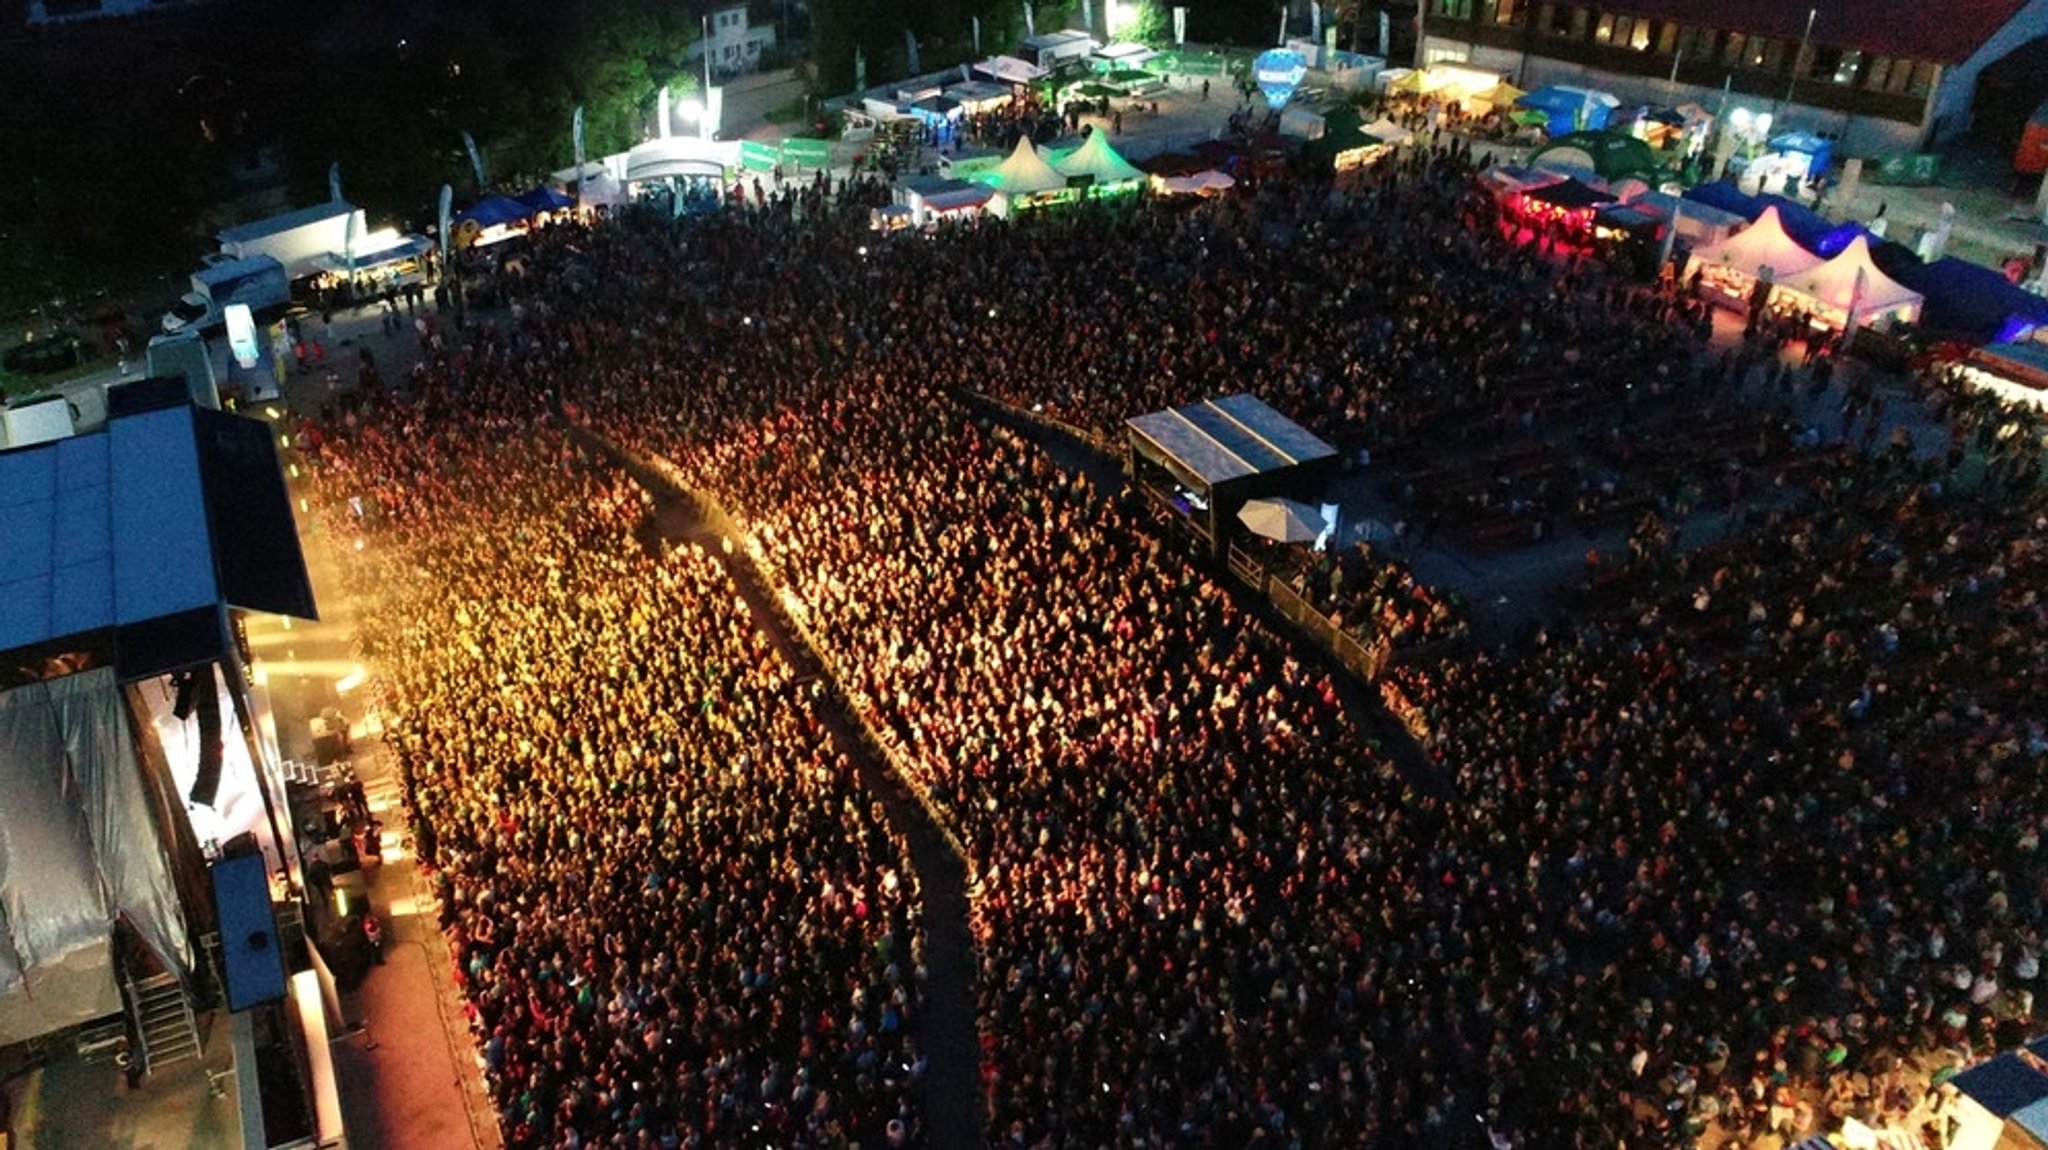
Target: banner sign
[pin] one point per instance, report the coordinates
(808, 153)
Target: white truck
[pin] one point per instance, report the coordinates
(259, 282)
(299, 240)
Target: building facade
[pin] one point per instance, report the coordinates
(1881, 75)
(735, 41)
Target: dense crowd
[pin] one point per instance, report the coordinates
(1764, 822)
(676, 918)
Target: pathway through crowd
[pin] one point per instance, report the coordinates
(946, 1035)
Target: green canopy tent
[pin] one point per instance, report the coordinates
(1130, 76)
(1610, 155)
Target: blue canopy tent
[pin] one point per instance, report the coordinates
(1813, 231)
(546, 199)
(494, 210)
(1963, 299)
(1820, 153)
(1571, 109)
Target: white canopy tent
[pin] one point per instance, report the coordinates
(1197, 184)
(1851, 289)
(1388, 132)
(1097, 159)
(1730, 270)
(1010, 70)
(1024, 172)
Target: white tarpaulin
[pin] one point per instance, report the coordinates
(77, 848)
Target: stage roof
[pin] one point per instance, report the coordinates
(139, 533)
(1219, 440)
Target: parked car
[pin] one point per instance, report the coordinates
(53, 353)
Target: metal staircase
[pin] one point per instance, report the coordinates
(162, 1016)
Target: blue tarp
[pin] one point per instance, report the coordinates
(1963, 298)
(1727, 197)
(492, 210)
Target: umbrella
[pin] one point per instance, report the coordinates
(1501, 93)
(1287, 520)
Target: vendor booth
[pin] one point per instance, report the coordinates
(1011, 70)
(934, 199)
(2017, 372)
(1104, 171)
(380, 258)
(1850, 291)
(1567, 205)
(1729, 272)
(1699, 225)
(1964, 300)
(977, 97)
(1505, 181)
(1567, 109)
(1024, 181)
(1803, 155)
(490, 220)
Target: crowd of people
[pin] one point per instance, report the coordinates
(676, 917)
(1763, 822)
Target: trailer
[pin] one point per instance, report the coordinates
(298, 240)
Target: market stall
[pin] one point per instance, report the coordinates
(1730, 271)
(1568, 109)
(1850, 291)
(934, 199)
(1964, 300)
(1699, 225)
(1104, 170)
(1567, 206)
(2012, 371)
(1024, 181)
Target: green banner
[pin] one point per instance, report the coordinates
(756, 156)
(808, 153)
(1917, 168)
